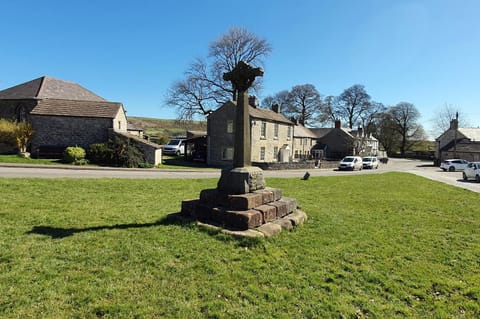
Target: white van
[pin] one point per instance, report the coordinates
(351, 163)
(175, 146)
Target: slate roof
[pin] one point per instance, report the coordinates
(302, 131)
(321, 131)
(267, 114)
(49, 88)
(472, 134)
(101, 109)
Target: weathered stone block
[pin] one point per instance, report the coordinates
(214, 197)
(189, 207)
(291, 204)
(245, 201)
(297, 218)
(267, 196)
(284, 223)
(270, 229)
(249, 233)
(242, 220)
(269, 213)
(241, 180)
(281, 208)
(277, 192)
(203, 212)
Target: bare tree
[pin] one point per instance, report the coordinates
(280, 98)
(352, 104)
(303, 104)
(387, 134)
(405, 118)
(327, 113)
(443, 117)
(203, 88)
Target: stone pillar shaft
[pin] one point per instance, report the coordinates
(242, 149)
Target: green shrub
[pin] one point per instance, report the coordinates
(117, 152)
(17, 134)
(75, 155)
(125, 154)
(100, 154)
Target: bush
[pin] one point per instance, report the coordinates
(125, 154)
(17, 134)
(100, 154)
(75, 155)
(117, 152)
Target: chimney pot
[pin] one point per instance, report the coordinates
(338, 124)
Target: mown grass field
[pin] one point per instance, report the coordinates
(375, 246)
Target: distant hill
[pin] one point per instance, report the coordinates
(160, 130)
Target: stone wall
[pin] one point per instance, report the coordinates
(64, 131)
(152, 152)
(9, 109)
(469, 151)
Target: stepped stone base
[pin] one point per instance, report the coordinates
(240, 212)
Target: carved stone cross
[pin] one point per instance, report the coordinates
(242, 77)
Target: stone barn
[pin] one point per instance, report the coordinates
(62, 114)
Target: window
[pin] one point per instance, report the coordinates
(289, 132)
(275, 153)
(119, 125)
(275, 132)
(230, 126)
(262, 153)
(263, 132)
(227, 154)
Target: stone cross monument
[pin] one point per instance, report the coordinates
(243, 178)
(242, 77)
(241, 201)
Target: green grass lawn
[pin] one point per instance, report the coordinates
(375, 246)
(18, 159)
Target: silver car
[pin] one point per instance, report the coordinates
(370, 162)
(452, 165)
(472, 172)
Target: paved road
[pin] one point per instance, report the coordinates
(401, 165)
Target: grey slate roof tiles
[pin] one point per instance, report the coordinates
(49, 88)
(77, 108)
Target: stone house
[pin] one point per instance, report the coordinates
(458, 142)
(338, 142)
(303, 141)
(62, 114)
(271, 134)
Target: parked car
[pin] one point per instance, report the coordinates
(453, 165)
(175, 146)
(351, 163)
(370, 162)
(472, 172)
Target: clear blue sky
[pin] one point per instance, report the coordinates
(426, 52)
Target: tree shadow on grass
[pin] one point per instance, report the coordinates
(59, 232)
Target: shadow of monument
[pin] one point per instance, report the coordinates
(59, 232)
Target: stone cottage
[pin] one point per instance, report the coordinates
(62, 114)
(303, 141)
(458, 142)
(337, 142)
(271, 134)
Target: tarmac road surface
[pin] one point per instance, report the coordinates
(421, 168)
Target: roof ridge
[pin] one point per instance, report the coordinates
(40, 87)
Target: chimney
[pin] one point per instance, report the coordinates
(454, 124)
(338, 124)
(360, 131)
(276, 108)
(252, 100)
